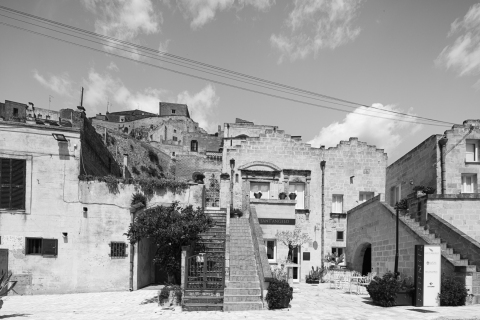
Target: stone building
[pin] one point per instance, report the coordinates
(268, 160)
(61, 234)
(450, 165)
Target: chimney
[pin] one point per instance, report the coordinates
(125, 166)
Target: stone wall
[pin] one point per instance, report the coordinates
(463, 213)
(205, 142)
(373, 223)
(418, 167)
(187, 165)
(351, 167)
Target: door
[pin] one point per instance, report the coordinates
(296, 260)
(3, 263)
(212, 193)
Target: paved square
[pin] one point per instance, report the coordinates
(312, 302)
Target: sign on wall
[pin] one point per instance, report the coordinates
(427, 275)
(276, 221)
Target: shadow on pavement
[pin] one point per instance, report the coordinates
(14, 315)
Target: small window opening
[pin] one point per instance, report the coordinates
(194, 146)
(340, 236)
(15, 112)
(118, 249)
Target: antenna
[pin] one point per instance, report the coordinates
(81, 99)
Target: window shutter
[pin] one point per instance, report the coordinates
(18, 185)
(49, 247)
(470, 152)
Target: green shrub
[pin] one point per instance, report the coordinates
(452, 292)
(279, 294)
(383, 291)
(138, 198)
(135, 170)
(164, 295)
(153, 156)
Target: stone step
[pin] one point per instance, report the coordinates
(244, 267)
(242, 291)
(242, 306)
(453, 256)
(203, 300)
(243, 278)
(465, 269)
(239, 272)
(244, 284)
(242, 298)
(204, 292)
(202, 307)
(242, 262)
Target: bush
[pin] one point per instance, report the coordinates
(452, 292)
(163, 295)
(279, 294)
(138, 198)
(169, 292)
(153, 156)
(135, 170)
(383, 291)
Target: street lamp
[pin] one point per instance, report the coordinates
(232, 168)
(396, 242)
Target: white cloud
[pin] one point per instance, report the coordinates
(60, 84)
(101, 88)
(317, 24)
(203, 11)
(124, 19)
(383, 133)
(201, 106)
(113, 67)
(463, 55)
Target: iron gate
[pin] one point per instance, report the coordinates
(205, 271)
(212, 194)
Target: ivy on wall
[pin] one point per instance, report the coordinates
(147, 185)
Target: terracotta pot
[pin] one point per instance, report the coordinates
(257, 195)
(282, 196)
(292, 196)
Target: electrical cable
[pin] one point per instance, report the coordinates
(214, 81)
(190, 61)
(387, 112)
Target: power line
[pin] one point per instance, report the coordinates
(208, 66)
(247, 82)
(211, 80)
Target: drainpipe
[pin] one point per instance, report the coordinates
(442, 142)
(322, 252)
(133, 209)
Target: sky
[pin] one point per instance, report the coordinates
(415, 57)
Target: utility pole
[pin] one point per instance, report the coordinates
(81, 99)
(322, 251)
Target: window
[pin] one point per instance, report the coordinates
(12, 184)
(174, 138)
(118, 249)
(173, 111)
(263, 187)
(194, 145)
(472, 153)
(306, 256)
(340, 236)
(15, 112)
(173, 154)
(337, 203)
(395, 193)
(174, 130)
(338, 251)
(299, 190)
(469, 183)
(271, 247)
(40, 246)
(364, 196)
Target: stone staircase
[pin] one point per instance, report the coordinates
(463, 269)
(212, 242)
(242, 292)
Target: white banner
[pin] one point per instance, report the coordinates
(432, 275)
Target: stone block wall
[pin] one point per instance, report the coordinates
(187, 165)
(420, 166)
(373, 223)
(464, 214)
(351, 167)
(205, 142)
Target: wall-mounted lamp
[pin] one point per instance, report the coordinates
(59, 137)
(85, 212)
(65, 234)
(307, 214)
(232, 164)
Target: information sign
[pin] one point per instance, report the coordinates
(427, 275)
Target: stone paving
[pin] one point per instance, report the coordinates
(312, 302)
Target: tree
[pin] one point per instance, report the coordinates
(170, 228)
(292, 240)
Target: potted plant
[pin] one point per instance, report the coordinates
(389, 290)
(292, 196)
(5, 285)
(282, 195)
(199, 178)
(314, 276)
(279, 294)
(429, 190)
(402, 204)
(224, 176)
(419, 190)
(257, 195)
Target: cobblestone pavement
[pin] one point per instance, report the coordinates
(311, 302)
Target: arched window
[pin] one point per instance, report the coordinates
(194, 146)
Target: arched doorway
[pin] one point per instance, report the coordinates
(367, 260)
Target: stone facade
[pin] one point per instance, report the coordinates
(275, 159)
